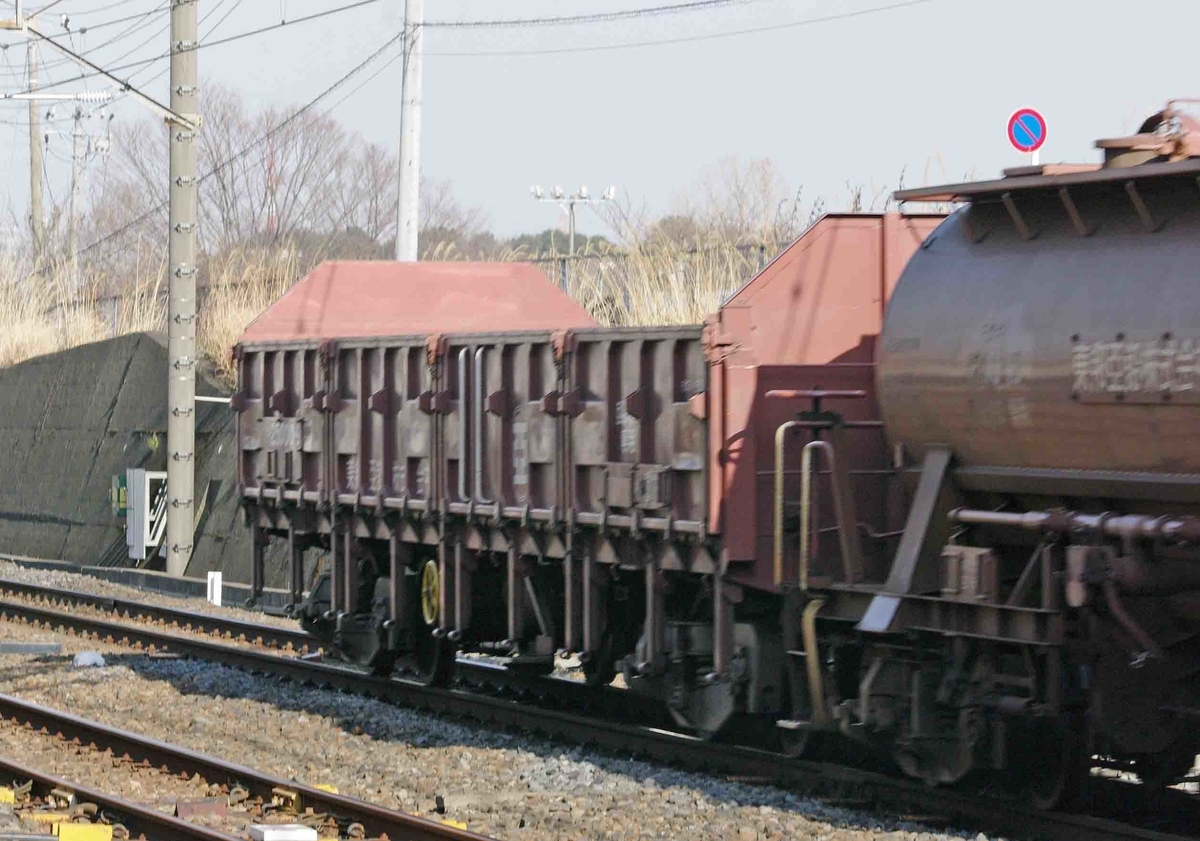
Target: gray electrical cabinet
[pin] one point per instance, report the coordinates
(146, 511)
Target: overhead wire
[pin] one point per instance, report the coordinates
(261, 139)
(587, 18)
(143, 19)
(597, 18)
(238, 37)
(49, 185)
(164, 71)
(109, 7)
(125, 85)
(808, 21)
(141, 63)
(687, 39)
(107, 23)
(12, 155)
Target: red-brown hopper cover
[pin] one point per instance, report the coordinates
(359, 299)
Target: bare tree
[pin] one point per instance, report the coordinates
(269, 179)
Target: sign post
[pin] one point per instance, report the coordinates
(1027, 132)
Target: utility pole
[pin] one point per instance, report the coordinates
(81, 150)
(36, 219)
(181, 309)
(72, 237)
(272, 188)
(410, 134)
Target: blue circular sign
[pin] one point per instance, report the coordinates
(1027, 130)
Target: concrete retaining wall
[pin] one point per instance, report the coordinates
(69, 421)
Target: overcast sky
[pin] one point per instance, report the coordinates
(926, 88)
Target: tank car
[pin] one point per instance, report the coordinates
(1039, 364)
(964, 534)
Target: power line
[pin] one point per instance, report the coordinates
(238, 37)
(224, 17)
(83, 30)
(732, 33)
(211, 30)
(144, 21)
(399, 36)
(46, 8)
(808, 21)
(278, 127)
(125, 85)
(596, 17)
(106, 8)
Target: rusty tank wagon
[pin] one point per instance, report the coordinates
(930, 484)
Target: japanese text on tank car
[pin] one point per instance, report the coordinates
(1168, 366)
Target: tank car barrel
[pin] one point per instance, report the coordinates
(1135, 526)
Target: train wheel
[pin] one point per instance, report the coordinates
(384, 665)
(435, 655)
(800, 744)
(431, 593)
(1162, 770)
(1056, 773)
(435, 660)
(600, 669)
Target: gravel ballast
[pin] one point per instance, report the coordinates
(503, 785)
(99, 587)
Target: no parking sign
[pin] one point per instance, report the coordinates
(1027, 131)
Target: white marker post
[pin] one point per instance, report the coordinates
(215, 588)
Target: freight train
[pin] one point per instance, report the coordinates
(963, 532)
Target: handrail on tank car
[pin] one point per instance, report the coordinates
(843, 510)
(780, 441)
(843, 503)
(806, 503)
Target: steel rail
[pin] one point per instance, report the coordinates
(374, 819)
(269, 635)
(565, 694)
(664, 746)
(144, 821)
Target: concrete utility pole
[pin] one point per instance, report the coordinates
(72, 237)
(410, 134)
(181, 309)
(36, 219)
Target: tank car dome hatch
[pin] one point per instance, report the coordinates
(1169, 135)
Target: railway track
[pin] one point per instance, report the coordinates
(880, 792)
(474, 673)
(267, 636)
(131, 820)
(353, 818)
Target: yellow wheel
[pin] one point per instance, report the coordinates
(431, 593)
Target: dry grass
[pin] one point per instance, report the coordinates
(240, 288)
(659, 286)
(662, 283)
(40, 314)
